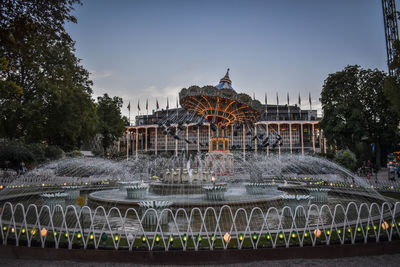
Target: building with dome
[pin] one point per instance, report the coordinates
(298, 128)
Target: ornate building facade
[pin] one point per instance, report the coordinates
(298, 129)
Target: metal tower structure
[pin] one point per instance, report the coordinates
(391, 29)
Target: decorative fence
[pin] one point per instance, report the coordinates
(196, 229)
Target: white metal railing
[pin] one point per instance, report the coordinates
(39, 225)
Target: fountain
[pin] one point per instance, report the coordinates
(150, 216)
(54, 200)
(215, 192)
(320, 195)
(294, 201)
(137, 191)
(72, 191)
(221, 180)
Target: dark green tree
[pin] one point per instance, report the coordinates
(356, 111)
(392, 83)
(110, 123)
(50, 96)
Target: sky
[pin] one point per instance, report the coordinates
(148, 49)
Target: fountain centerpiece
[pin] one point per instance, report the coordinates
(137, 191)
(222, 107)
(320, 194)
(123, 184)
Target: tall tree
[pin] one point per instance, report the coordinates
(53, 102)
(356, 110)
(392, 83)
(110, 124)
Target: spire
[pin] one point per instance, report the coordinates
(226, 78)
(225, 82)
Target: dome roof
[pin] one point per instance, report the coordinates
(225, 82)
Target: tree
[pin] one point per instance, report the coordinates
(110, 123)
(357, 111)
(392, 83)
(47, 92)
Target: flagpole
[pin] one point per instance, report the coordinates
(288, 105)
(147, 110)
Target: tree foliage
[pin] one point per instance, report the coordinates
(110, 123)
(356, 111)
(392, 83)
(45, 92)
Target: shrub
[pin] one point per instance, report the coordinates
(53, 152)
(15, 153)
(76, 153)
(346, 158)
(38, 151)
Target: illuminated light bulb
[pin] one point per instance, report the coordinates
(43, 232)
(280, 236)
(143, 239)
(23, 230)
(268, 236)
(79, 235)
(385, 225)
(317, 232)
(293, 235)
(171, 239)
(227, 237)
(116, 237)
(240, 237)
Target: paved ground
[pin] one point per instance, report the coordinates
(382, 179)
(382, 260)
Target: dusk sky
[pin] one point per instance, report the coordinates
(148, 49)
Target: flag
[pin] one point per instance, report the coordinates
(138, 105)
(266, 102)
(288, 99)
(157, 106)
(167, 104)
(299, 100)
(309, 99)
(129, 106)
(147, 104)
(254, 96)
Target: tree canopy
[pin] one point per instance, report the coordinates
(356, 111)
(45, 92)
(392, 83)
(110, 124)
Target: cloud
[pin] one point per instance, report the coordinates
(94, 75)
(169, 91)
